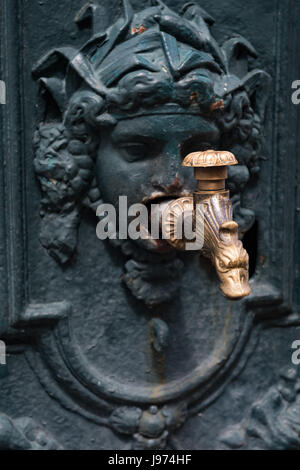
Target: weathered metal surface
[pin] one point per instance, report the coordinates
(116, 345)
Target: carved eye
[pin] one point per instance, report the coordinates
(134, 151)
(222, 265)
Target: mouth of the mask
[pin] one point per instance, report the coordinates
(156, 204)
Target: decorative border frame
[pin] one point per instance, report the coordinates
(12, 202)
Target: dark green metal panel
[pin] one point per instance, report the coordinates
(112, 345)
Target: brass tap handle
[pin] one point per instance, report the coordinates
(211, 171)
(221, 243)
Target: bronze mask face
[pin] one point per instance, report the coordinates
(155, 64)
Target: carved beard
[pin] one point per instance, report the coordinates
(151, 277)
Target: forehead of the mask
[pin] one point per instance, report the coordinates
(152, 51)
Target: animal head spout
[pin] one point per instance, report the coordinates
(232, 262)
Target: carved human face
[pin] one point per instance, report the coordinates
(141, 157)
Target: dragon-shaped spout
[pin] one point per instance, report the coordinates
(213, 222)
(222, 246)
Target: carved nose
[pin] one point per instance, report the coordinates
(176, 185)
(170, 174)
(171, 185)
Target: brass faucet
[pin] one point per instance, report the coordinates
(220, 238)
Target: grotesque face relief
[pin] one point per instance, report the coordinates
(143, 333)
(144, 155)
(129, 106)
